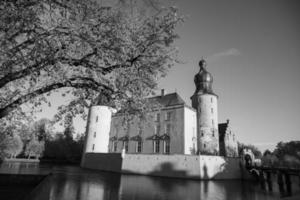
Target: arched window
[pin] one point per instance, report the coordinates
(138, 147)
(156, 146)
(115, 146)
(166, 146)
(125, 146)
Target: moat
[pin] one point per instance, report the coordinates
(72, 182)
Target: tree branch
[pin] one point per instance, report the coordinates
(76, 82)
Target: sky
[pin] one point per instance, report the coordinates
(253, 52)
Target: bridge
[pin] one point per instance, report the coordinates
(265, 174)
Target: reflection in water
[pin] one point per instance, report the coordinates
(75, 183)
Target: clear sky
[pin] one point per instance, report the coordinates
(253, 52)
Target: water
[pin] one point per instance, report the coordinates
(70, 182)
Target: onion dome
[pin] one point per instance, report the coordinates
(203, 79)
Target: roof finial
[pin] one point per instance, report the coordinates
(202, 64)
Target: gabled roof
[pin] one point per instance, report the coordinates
(165, 137)
(171, 99)
(136, 138)
(124, 138)
(154, 137)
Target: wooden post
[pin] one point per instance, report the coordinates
(299, 179)
(280, 183)
(288, 184)
(262, 180)
(269, 181)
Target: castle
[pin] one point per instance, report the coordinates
(175, 128)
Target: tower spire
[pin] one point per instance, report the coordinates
(203, 79)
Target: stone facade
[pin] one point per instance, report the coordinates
(227, 140)
(170, 130)
(207, 123)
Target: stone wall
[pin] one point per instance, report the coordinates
(180, 166)
(207, 122)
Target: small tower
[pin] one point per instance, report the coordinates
(98, 129)
(206, 104)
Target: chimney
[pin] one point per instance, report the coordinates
(227, 121)
(162, 92)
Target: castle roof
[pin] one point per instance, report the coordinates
(171, 99)
(167, 100)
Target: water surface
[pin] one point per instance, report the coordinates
(70, 182)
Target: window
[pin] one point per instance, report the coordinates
(212, 110)
(140, 131)
(125, 146)
(212, 122)
(97, 119)
(157, 117)
(211, 99)
(202, 134)
(167, 129)
(157, 129)
(156, 146)
(166, 146)
(115, 146)
(167, 116)
(94, 134)
(204, 145)
(93, 147)
(138, 147)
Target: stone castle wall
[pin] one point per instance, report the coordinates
(180, 166)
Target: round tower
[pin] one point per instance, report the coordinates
(206, 104)
(98, 128)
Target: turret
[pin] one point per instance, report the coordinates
(98, 129)
(206, 103)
